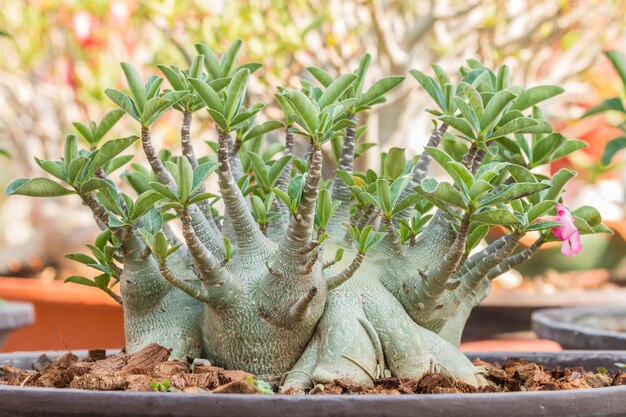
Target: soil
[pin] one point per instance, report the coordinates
(150, 370)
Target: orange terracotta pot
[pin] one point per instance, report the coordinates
(66, 316)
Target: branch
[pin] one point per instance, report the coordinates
(477, 257)
(420, 170)
(196, 292)
(468, 158)
(515, 260)
(478, 160)
(157, 166)
(114, 296)
(235, 163)
(433, 285)
(472, 278)
(207, 264)
(335, 281)
(301, 225)
(396, 245)
(282, 183)
(299, 309)
(247, 232)
(341, 192)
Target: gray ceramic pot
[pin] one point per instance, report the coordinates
(13, 316)
(16, 401)
(583, 328)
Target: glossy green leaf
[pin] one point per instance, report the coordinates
(108, 151)
(135, 84)
(336, 89)
(123, 101)
(536, 95)
(379, 89)
(495, 217)
(37, 187)
(236, 93)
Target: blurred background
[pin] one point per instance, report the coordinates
(59, 56)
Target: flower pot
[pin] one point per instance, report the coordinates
(23, 401)
(583, 328)
(67, 316)
(13, 316)
(507, 313)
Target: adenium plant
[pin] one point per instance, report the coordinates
(302, 280)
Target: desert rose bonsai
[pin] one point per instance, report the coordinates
(302, 280)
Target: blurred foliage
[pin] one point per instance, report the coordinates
(58, 56)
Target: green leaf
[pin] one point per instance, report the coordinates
(379, 89)
(263, 128)
(364, 64)
(123, 101)
(336, 89)
(108, 151)
(619, 63)
(152, 220)
(495, 217)
(545, 147)
(37, 187)
(513, 192)
(474, 98)
(478, 189)
(477, 234)
(305, 109)
(463, 177)
(259, 168)
(93, 184)
(164, 191)
(85, 132)
(513, 126)
(542, 225)
(384, 196)
(219, 119)
(258, 209)
(320, 75)
(70, 150)
(459, 124)
(614, 103)
(569, 147)
(153, 109)
(210, 60)
(136, 84)
(81, 258)
(236, 92)
(277, 168)
(431, 88)
(145, 202)
(588, 214)
(536, 95)
(612, 147)
(172, 77)
(53, 168)
(228, 61)
(438, 192)
(200, 197)
(494, 109)
(540, 209)
(77, 279)
(184, 177)
(201, 173)
(395, 163)
(207, 94)
(559, 180)
(108, 121)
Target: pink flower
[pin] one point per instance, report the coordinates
(567, 232)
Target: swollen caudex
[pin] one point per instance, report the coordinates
(301, 279)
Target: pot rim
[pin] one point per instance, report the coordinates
(565, 319)
(15, 314)
(609, 401)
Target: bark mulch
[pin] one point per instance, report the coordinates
(150, 370)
